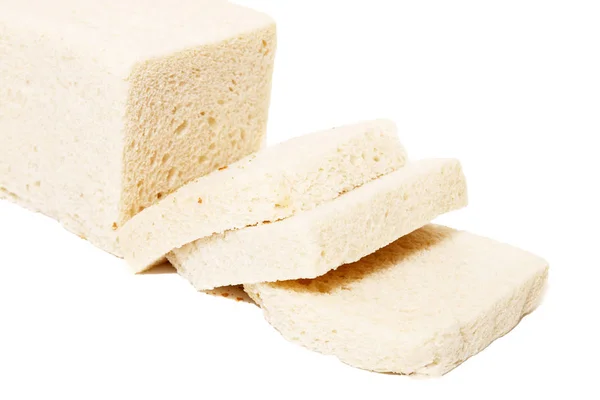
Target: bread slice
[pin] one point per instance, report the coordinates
(109, 106)
(340, 231)
(266, 186)
(422, 305)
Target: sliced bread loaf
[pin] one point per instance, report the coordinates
(422, 305)
(340, 231)
(106, 107)
(266, 186)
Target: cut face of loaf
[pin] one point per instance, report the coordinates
(343, 230)
(266, 186)
(422, 305)
(107, 107)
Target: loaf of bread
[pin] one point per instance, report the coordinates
(264, 187)
(139, 125)
(107, 107)
(340, 231)
(421, 305)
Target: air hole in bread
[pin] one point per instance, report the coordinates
(221, 101)
(202, 159)
(234, 81)
(212, 146)
(166, 158)
(140, 183)
(376, 159)
(171, 176)
(181, 128)
(159, 195)
(211, 121)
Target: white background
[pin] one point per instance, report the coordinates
(511, 88)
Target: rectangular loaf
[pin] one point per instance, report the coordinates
(106, 107)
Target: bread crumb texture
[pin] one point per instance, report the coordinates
(269, 185)
(422, 305)
(117, 104)
(186, 117)
(343, 230)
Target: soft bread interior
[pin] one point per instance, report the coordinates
(192, 112)
(109, 106)
(267, 186)
(339, 231)
(422, 305)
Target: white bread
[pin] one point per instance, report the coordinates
(340, 231)
(107, 107)
(266, 186)
(421, 305)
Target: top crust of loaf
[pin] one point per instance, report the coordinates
(122, 33)
(267, 186)
(421, 305)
